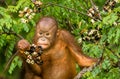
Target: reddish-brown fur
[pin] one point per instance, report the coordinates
(59, 60)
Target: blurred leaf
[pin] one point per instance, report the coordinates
(110, 19)
(15, 62)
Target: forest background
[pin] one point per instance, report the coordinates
(94, 23)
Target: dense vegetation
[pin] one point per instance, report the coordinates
(95, 24)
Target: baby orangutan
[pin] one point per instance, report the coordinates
(60, 53)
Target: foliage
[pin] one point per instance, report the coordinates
(71, 15)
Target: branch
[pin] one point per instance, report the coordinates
(9, 61)
(84, 70)
(13, 33)
(71, 9)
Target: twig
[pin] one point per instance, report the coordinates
(18, 35)
(71, 9)
(9, 61)
(93, 4)
(33, 1)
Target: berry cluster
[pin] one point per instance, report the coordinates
(37, 7)
(94, 13)
(33, 56)
(109, 5)
(92, 35)
(27, 13)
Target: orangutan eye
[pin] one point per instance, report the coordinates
(47, 34)
(41, 33)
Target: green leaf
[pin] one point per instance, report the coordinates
(110, 19)
(117, 37)
(16, 62)
(25, 27)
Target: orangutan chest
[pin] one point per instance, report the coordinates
(53, 56)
